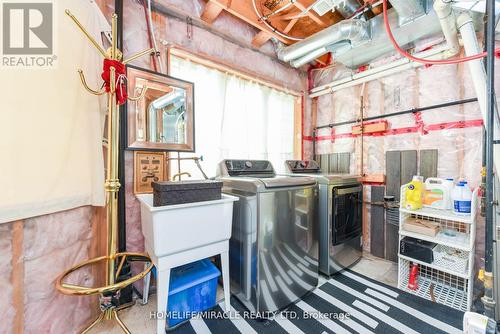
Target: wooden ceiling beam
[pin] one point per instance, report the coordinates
(211, 12)
(290, 26)
(261, 38)
(244, 11)
(315, 17)
(289, 16)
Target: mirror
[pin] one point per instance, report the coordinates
(164, 119)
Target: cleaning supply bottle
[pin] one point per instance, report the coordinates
(462, 199)
(414, 193)
(450, 184)
(437, 193)
(413, 279)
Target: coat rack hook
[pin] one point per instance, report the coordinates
(138, 55)
(87, 34)
(90, 90)
(141, 94)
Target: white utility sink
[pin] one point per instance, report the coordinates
(176, 228)
(178, 234)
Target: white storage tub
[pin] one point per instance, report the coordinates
(176, 228)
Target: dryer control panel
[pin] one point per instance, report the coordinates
(248, 167)
(302, 166)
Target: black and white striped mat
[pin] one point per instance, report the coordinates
(372, 308)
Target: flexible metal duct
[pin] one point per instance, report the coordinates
(352, 30)
(348, 8)
(379, 45)
(408, 10)
(366, 40)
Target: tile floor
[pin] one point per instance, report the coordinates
(378, 269)
(138, 321)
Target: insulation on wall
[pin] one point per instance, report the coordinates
(174, 31)
(33, 253)
(7, 302)
(459, 149)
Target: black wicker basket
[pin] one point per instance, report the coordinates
(169, 193)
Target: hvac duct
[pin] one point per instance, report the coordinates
(352, 30)
(348, 8)
(379, 45)
(367, 40)
(408, 10)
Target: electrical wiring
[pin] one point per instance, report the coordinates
(152, 32)
(426, 61)
(367, 6)
(273, 29)
(148, 26)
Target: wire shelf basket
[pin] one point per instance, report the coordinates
(436, 285)
(451, 258)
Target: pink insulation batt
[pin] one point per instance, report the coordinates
(460, 150)
(173, 31)
(50, 245)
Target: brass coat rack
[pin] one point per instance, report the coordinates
(114, 260)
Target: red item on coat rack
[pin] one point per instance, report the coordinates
(413, 280)
(120, 77)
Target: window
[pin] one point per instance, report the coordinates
(236, 119)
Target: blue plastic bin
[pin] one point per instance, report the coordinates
(193, 288)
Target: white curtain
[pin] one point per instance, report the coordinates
(236, 119)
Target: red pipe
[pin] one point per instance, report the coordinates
(421, 60)
(149, 33)
(402, 131)
(309, 88)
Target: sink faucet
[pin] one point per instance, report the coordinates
(179, 175)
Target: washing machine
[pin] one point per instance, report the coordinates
(340, 216)
(274, 247)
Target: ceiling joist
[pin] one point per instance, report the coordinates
(244, 11)
(261, 38)
(315, 17)
(211, 12)
(295, 20)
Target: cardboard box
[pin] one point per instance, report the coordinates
(421, 226)
(370, 127)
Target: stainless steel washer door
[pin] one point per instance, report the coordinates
(287, 245)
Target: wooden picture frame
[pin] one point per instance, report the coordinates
(149, 166)
(140, 135)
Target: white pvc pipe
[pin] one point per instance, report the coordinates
(448, 23)
(478, 74)
(476, 67)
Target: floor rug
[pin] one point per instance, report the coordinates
(346, 303)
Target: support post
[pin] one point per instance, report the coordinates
(488, 298)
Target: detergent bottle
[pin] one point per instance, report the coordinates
(462, 199)
(414, 193)
(437, 193)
